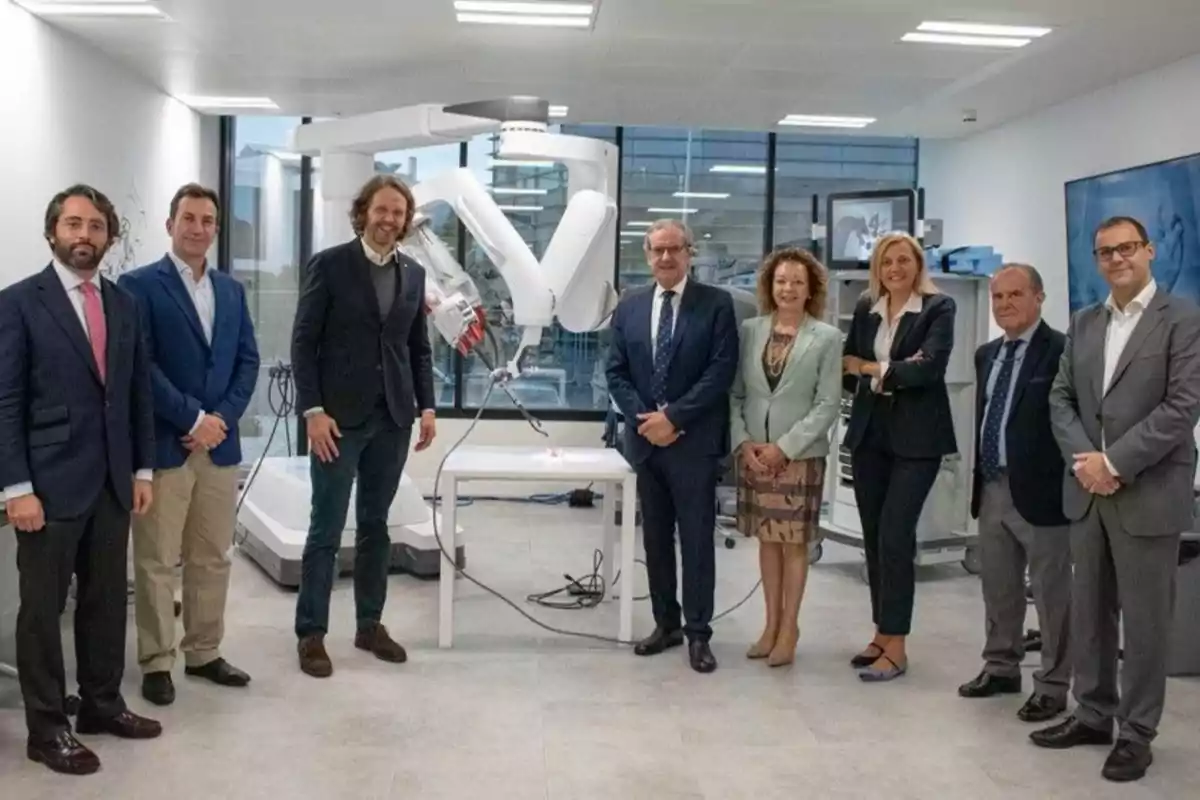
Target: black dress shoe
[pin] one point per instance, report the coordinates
(1128, 761)
(987, 685)
(659, 641)
(125, 725)
(158, 688)
(64, 753)
(1041, 707)
(1070, 733)
(701, 657)
(220, 672)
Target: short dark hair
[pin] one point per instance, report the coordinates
(95, 197)
(1116, 222)
(196, 192)
(1035, 277)
(818, 280)
(362, 203)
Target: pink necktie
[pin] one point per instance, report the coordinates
(95, 324)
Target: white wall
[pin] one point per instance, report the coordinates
(1004, 187)
(76, 115)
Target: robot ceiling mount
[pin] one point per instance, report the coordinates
(572, 283)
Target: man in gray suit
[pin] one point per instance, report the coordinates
(1123, 409)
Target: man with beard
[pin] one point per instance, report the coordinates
(363, 367)
(76, 451)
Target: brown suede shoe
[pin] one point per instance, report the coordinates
(314, 660)
(377, 641)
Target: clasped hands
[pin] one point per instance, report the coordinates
(654, 426)
(1093, 474)
(211, 431)
(763, 458)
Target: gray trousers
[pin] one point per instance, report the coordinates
(1119, 575)
(1007, 545)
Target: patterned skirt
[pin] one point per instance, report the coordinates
(784, 508)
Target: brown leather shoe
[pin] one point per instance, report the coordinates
(125, 725)
(64, 753)
(314, 660)
(377, 641)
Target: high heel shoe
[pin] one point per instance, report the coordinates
(784, 652)
(762, 648)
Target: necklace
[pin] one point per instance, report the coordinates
(777, 356)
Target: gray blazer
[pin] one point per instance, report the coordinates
(806, 400)
(1147, 416)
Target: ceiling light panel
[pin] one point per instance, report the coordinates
(205, 102)
(527, 13)
(962, 39)
(974, 29)
(825, 121)
(703, 195)
(558, 112)
(92, 9)
(739, 169)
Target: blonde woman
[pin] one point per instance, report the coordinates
(900, 427)
(783, 403)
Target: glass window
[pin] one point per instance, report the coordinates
(412, 167)
(265, 247)
(808, 164)
(566, 372)
(715, 181)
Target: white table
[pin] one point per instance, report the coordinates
(598, 465)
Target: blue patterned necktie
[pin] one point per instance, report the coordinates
(662, 348)
(989, 455)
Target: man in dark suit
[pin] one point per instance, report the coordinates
(204, 369)
(76, 454)
(363, 366)
(1017, 498)
(1123, 408)
(672, 362)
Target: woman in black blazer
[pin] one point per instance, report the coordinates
(900, 427)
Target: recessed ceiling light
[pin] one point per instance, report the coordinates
(739, 169)
(517, 7)
(558, 112)
(633, 233)
(974, 29)
(512, 190)
(136, 8)
(704, 195)
(671, 210)
(500, 162)
(201, 102)
(521, 208)
(822, 121)
(639, 224)
(517, 19)
(969, 41)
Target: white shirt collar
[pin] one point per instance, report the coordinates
(913, 306)
(72, 279)
(372, 255)
(185, 268)
(677, 288)
(1138, 304)
(1027, 334)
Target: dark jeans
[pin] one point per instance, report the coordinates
(890, 492)
(375, 453)
(94, 549)
(680, 491)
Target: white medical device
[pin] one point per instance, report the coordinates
(572, 283)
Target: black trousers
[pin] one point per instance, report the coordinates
(94, 549)
(890, 492)
(677, 491)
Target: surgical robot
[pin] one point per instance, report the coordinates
(572, 283)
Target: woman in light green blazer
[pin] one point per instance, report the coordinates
(784, 402)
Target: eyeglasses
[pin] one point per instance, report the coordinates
(1126, 249)
(659, 252)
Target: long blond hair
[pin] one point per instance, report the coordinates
(922, 283)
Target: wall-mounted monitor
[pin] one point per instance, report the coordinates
(856, 220)
(1165, 198)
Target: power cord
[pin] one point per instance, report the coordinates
(281, 398)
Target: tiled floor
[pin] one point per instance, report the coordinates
(513, 712)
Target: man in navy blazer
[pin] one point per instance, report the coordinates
(672, 362)
(204, 370)
(76, 454)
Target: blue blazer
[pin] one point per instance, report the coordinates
(703, 364)
(61, 428)
(189, 375)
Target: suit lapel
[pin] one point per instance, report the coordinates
(1093, 353)
(1033, 356)
(804, 341)
(907, 320)
(54, 298)
(985, 377)
(686, 305)
(168, 273)
(1151, 318)
(114, 320)
(397, 309)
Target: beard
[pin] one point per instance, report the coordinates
(79, 256)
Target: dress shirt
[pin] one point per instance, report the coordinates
(378, 260)
(994, 374)
(1121, 323)
(656, 311)
(886, 332)
(72, 283)
(201, 292)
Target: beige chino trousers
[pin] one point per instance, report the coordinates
(192, 518)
